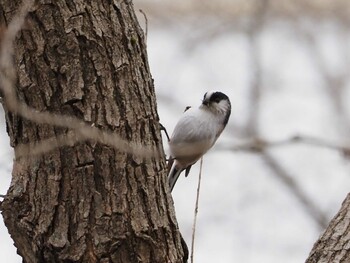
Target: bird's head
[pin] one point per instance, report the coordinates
(218, 103)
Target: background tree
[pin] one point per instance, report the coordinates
(85, 202)
(332, 246)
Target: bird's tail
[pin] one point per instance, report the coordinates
(173, 176)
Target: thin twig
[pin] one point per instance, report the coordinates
(260, 144)
(2, 196)
(196, 210)
(146, 22)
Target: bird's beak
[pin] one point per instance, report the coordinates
(205, 102)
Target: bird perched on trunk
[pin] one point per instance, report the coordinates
(196, 132)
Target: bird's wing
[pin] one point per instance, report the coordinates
(194, 126)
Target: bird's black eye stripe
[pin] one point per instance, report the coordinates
(218, 96)
(205, 95)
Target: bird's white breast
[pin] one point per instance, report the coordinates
(195, 133)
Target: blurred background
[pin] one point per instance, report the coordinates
(281, 169)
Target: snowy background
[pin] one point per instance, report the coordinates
(265, 197)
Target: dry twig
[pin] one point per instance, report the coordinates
(196, 210)
(146, 24)
(260, 144)
(311, 208)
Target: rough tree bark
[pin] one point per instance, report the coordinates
(88, 202)
(334, 244)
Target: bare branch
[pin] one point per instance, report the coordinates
(241, 9)
(146, 23)
(311, 208)
(260, 144)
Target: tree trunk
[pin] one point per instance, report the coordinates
(333, 245)
(87, 202)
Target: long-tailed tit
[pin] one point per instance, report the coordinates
(196, 132)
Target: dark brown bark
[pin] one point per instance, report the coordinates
(88, 202)
(333, 245)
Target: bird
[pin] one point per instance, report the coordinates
(196, 132)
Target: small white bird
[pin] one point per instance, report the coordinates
(196, 132)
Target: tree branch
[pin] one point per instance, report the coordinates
(333, 246)
(259, 144)
(281, 173)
